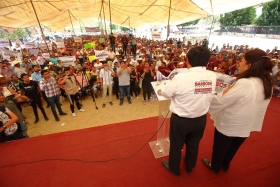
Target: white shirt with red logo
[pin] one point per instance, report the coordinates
(191, 93)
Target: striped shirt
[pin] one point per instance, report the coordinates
(51, 88)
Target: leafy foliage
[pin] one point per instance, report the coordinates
(19, 33)
(239, 17)
(270, 14)
(190, 23)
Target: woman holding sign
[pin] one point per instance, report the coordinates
(240, 108)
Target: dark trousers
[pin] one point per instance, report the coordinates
(63, 93)
(224, 149)
(116, 86)
(133, 88)
(37, 102)
(124, 48)
(134, 49)
(147, 90)
(188, 131)
(125, 90)
(72, 99)
(45, 97)
(113, 47)
(54, 101)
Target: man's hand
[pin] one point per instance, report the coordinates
(159, 92)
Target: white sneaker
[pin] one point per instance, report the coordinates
(81, 110)
(73, 114)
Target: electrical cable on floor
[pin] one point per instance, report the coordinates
(273, 110)
(87, 161)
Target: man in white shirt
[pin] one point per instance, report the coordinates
(18, 70)
(106, 74)
(111, 54)
(191, 96)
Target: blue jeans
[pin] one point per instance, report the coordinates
(54, 100)
(126, 90)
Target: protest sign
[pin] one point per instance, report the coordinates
(91, 58)
(101, 55)
(78, 39)
(46, 56)
(59, 40)
(67, 60)
(6, 54)
(92, 29)
(60, 44)
(34, 51)
(223, 80)
(156, 35)
(87, 46)
(44, 46)
(30, 45)
(4, 43)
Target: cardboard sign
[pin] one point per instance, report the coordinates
(92, 29)
(78, 39)
(156, 35)
(44, 46)
(34, 51)
(46, 56)
(91, 58)
(6, 54)
(60, 44)
(101, 55)
(30, 45)
(4, 43)
(67, 60)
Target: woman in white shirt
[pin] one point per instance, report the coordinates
(240, 109)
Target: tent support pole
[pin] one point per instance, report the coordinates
(43, 35)
(168, 26)
(81, 27)
(71, 22)
(110, 16)
(104, 19)
(212, 20)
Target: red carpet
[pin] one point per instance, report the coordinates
(256, 164)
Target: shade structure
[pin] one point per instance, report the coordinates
(55, 14)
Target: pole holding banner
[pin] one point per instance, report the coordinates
(71, 22)
(43, 35)
(168, 26)
(110, 16)
(104, 19)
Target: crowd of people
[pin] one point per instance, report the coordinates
(130, 67)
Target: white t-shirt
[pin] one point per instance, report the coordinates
(241, 110)
(191, 92)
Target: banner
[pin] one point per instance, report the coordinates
(29, 45)
(60, 44)
(6, 54)
(91, 58)
(67, 60)
(18, 43)
(92, 29)
(4, 43)
(34, 51)
(223, 80)
(101, 55)
(44, 46)
(46, 56)
(156, 35)
(77, 39)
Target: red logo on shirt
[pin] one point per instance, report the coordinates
(203, 87)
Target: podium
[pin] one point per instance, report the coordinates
(160, 147)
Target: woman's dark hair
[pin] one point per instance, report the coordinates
(198, 56)
(261, 67)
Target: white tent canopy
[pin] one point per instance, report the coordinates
(55, 14)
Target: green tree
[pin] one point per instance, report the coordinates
(238, 17)
(189, 23)
(124, 28)
(270, 14)
(19, 33)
